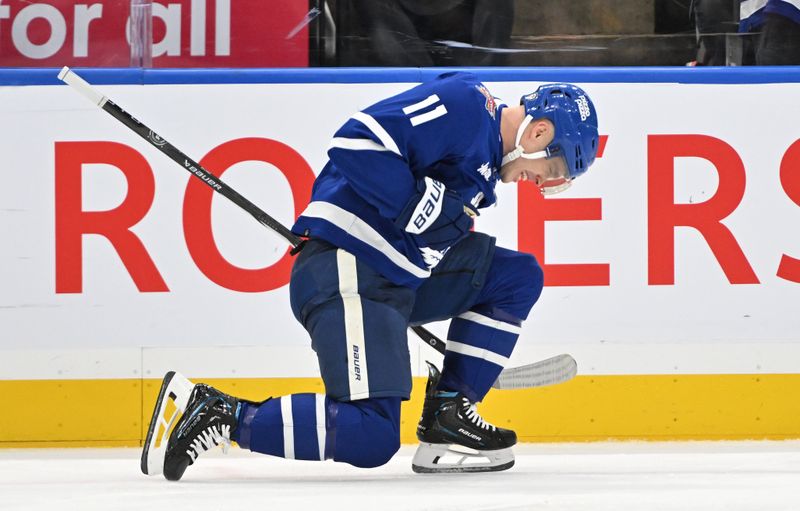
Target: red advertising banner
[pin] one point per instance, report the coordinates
(186, 33)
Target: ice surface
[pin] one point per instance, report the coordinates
(622, 476)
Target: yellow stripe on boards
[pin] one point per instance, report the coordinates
(114, 413)
(71, 412)
(653, 407)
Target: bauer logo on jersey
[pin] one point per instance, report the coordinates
(583, 107)
(428, 207)
(491, 105)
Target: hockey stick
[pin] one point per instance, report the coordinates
(82, 86)
(551, 371)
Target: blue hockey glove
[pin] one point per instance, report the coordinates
(437, 215)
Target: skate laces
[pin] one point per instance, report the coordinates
(209, 438)
(475, 417)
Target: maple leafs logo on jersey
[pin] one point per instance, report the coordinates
(486, 171)
(432, 257)
(491, 105)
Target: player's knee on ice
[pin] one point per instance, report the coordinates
(367, 431)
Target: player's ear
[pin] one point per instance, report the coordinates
(545, 128)
(540, 130)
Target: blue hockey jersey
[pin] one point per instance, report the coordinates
(447, 129)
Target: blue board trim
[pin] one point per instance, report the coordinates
(128, 76)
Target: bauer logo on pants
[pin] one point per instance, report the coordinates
(356, 363)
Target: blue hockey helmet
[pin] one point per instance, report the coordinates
(575, 139)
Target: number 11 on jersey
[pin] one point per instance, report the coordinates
(429, 115)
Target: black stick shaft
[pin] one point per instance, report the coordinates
(197, 170)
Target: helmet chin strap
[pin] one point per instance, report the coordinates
(519, 151)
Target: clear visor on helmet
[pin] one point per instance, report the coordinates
(557, 177)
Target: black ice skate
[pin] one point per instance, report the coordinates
(455, 438)
(207, 419)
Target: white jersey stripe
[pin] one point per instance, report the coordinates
(288, 427)
(428, 116)
(353, 325)
(493, 323)
(410, 109)
(472, 351)
(386, 139)
(321, 431)
(362, 231)
(356, 144)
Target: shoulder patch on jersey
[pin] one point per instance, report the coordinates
(490, 105)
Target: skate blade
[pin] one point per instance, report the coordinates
(448, 458)
(170, 405)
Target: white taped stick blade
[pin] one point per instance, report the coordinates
(551, 371)
(170, 405)
(452, 458)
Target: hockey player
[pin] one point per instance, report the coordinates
(389, 245)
